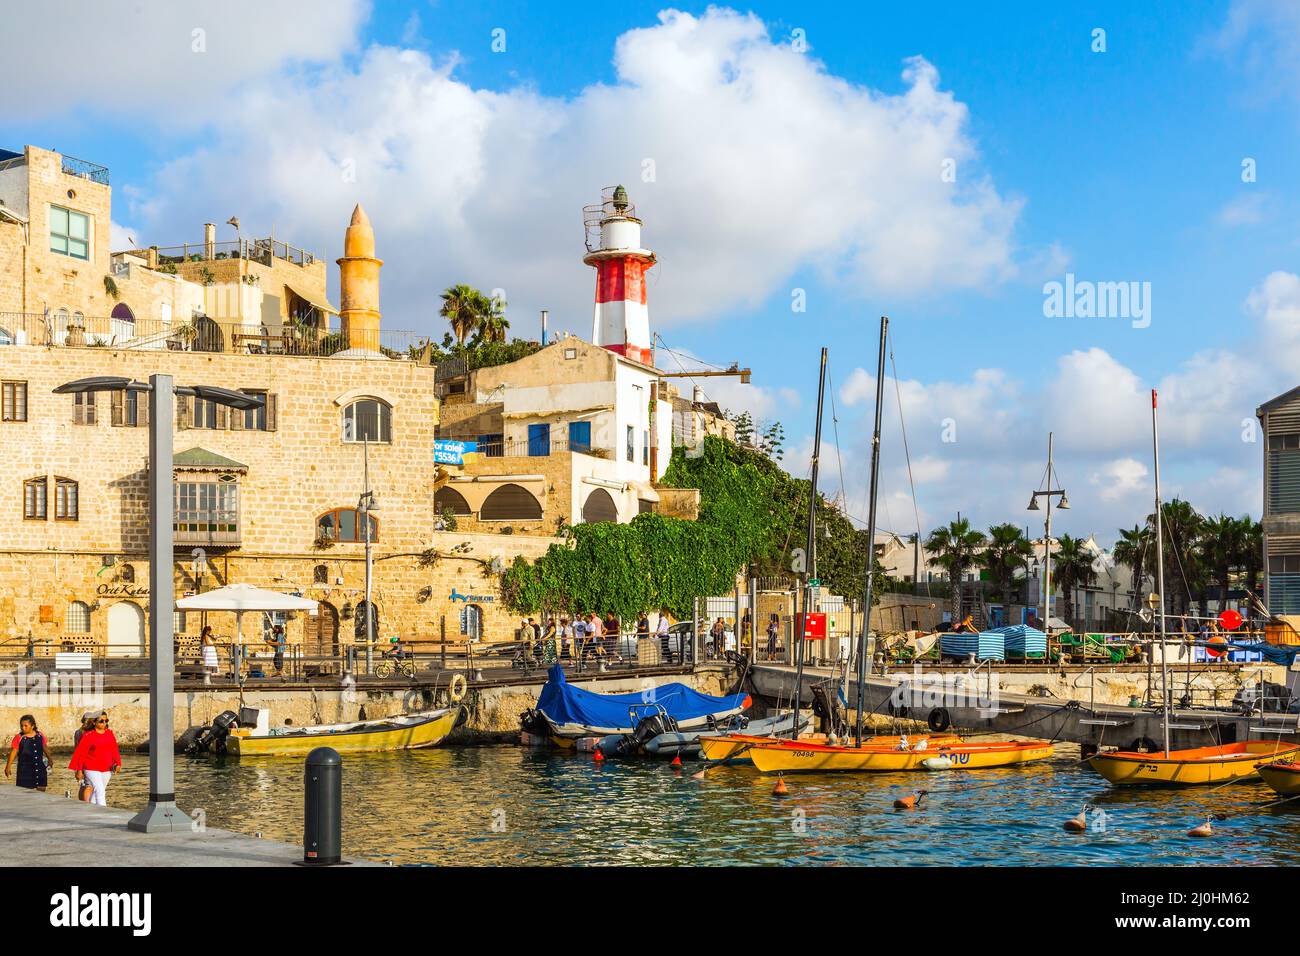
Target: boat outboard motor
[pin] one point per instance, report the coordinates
(534, 723)
(211, 738)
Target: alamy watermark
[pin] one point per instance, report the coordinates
(1085, 299)
(917, 696)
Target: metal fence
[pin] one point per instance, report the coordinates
(201, 334)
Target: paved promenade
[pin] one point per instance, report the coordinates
(47, 829)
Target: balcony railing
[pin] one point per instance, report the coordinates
(92, 171)
(254, 250)
(213, 528)
(202, 334)
(537, 448)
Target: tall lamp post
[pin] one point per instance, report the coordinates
(1047, 493)
(366, 504)
(161, 813)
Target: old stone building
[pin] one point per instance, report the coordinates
(266, 497)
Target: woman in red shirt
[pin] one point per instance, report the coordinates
(96, 758)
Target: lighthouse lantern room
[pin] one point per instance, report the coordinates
(621, 321)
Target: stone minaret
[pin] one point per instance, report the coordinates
(359, 285)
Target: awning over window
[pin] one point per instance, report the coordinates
(319, 302)
(200, 459)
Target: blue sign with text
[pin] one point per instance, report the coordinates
(449, 452)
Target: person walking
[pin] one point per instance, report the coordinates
(277, 642)
(595, 630)
(773, 630)
(96, 759)
(33, 754)
(566, 635)
(717, 638)
(665, 645)
(612, 627)
(746, 632)
(208, 640)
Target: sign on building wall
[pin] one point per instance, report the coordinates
(449, 452)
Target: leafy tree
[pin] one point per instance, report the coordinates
(469, 312)
(1221, 550)
(1252, 534)
(1183, 571)
(772, 441)
(744, 423)
(954, 547)
(1007, 551)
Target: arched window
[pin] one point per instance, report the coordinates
(126, 574)
(368, 419)
(207, 336)
(122, 313)
(344, 524)
(511, 503)
(449, 499)
(78, 618)
(364, 609)
(321, 574)
(599, 507)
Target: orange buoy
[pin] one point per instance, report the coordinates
(677, 761)
(1203, 830)
(912, 802)
(1077, 824)
(598, 756)
(780, 790)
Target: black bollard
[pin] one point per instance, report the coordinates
(322, 827)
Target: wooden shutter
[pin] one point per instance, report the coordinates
(270, 411)
(236, 420)
(184, 411)
(117, 401)
(223, 417)
(142, 400)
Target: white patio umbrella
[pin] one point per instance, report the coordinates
(244, 597)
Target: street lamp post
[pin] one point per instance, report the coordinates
(161, 813)
(1047, 493)
(366, 504)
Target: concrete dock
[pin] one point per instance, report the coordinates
(47, 829)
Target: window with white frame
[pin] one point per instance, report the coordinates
(368, 420)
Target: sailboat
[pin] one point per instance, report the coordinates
(882, 754)
(1190, 767)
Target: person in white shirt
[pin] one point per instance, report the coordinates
(662, 632)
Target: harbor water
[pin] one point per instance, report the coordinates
(501, 806)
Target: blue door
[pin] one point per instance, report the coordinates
(539, 441)
(579, 436)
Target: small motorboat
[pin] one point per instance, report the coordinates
(689, 743)
(791, 756)
(249, 734)
(1194, 767)
(1283, 777)
(567, 713)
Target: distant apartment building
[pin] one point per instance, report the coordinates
(1280, 421)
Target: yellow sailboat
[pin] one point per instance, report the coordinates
(792, 756)
(403, 732)
(734, 748)
(1198, 766)
(1283, 777)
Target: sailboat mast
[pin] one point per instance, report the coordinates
(806, 592)
(1160, 571)
(871, 533)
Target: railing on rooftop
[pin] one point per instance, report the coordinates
(253, 250)
(202, 334)
(92, 171)
(533, 449)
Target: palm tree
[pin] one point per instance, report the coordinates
(1073, 567)
(954, 547)
(1182, 527)
(1252, 551)
(1131, 549)
(1007, 551)
(492, 325)
(463, 307)
(1221, 547)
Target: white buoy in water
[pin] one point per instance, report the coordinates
(937, 763)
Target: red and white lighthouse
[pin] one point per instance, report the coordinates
(621, 321)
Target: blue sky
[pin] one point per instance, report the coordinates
(775, 170)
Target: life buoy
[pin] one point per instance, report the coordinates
(456, 689)
(939, 720)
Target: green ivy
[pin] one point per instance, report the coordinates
(751, 515)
